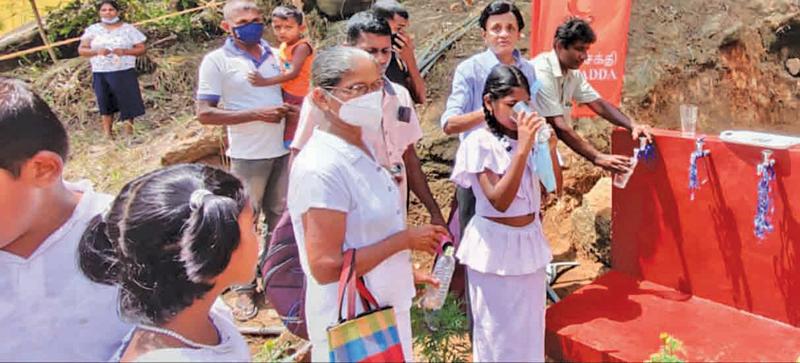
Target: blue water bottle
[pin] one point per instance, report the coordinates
(540, 157)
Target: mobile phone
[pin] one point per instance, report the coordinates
(396, 41)
(404, 114)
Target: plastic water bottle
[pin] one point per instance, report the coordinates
(542, 162)
(443, 271)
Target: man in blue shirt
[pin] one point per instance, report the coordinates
(501, 23)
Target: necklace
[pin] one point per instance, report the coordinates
(177, 336)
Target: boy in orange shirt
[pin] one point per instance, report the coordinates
(296, 56)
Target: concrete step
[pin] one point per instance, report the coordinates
(618, 318)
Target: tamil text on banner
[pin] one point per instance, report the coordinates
(605, 66)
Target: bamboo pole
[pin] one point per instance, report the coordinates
(42, 32)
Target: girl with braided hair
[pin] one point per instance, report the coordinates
(504, 247)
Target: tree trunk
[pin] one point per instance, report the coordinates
(42, 32)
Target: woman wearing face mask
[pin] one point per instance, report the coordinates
(112, 46)
(340, 198)
(503, 246)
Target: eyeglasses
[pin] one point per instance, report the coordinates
(359, 89)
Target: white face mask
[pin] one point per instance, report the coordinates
(113, 20)
(365, 111)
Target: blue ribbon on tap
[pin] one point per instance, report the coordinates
(694, 183)
(647, 153)
(765, 208)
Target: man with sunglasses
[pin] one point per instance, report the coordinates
(253, 116)
(393, 143)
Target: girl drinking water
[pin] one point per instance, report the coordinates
(503, 246)
(173, 241)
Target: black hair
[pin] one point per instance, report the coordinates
(500, 7)
(366, 22)
(287, 12)
(27, 126)
(113, 3)
(574, 30)
(387, 9)
(500, 83)
(168, 234)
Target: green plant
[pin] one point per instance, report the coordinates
(669, 351)
(442, 335)
(273, 350)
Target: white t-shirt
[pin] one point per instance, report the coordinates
(223, 78)
(123, 37)
(232, 346)
(49, 311)
(331, 174)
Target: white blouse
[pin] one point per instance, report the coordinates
(480, 151)
(124, 37)
(231, 348)
(331, 174)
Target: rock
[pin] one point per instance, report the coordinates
(591, 224)
(435, 170)
(197, 144)
(557, 227)
(438, 149)
(732, 33)
(793, 66)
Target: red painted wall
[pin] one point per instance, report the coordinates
(706, 247)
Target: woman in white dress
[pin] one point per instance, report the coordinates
(341, 198)
(173, 241)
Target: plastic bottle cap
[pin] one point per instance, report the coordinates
(448, 249)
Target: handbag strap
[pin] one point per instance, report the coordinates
(350, 282)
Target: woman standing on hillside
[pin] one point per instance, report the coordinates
(112, 46)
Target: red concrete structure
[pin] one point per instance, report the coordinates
(693, 269)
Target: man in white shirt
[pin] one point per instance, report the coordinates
(48, 310)
(253, 116)
(562, 83)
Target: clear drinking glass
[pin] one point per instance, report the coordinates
(688, 120)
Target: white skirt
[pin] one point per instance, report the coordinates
(495, 248)
(508, 316)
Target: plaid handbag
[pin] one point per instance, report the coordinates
(368, 337)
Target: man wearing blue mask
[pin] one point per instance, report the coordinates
(254, 117)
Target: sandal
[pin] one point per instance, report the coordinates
(245, 307)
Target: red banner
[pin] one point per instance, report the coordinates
(605, 66)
